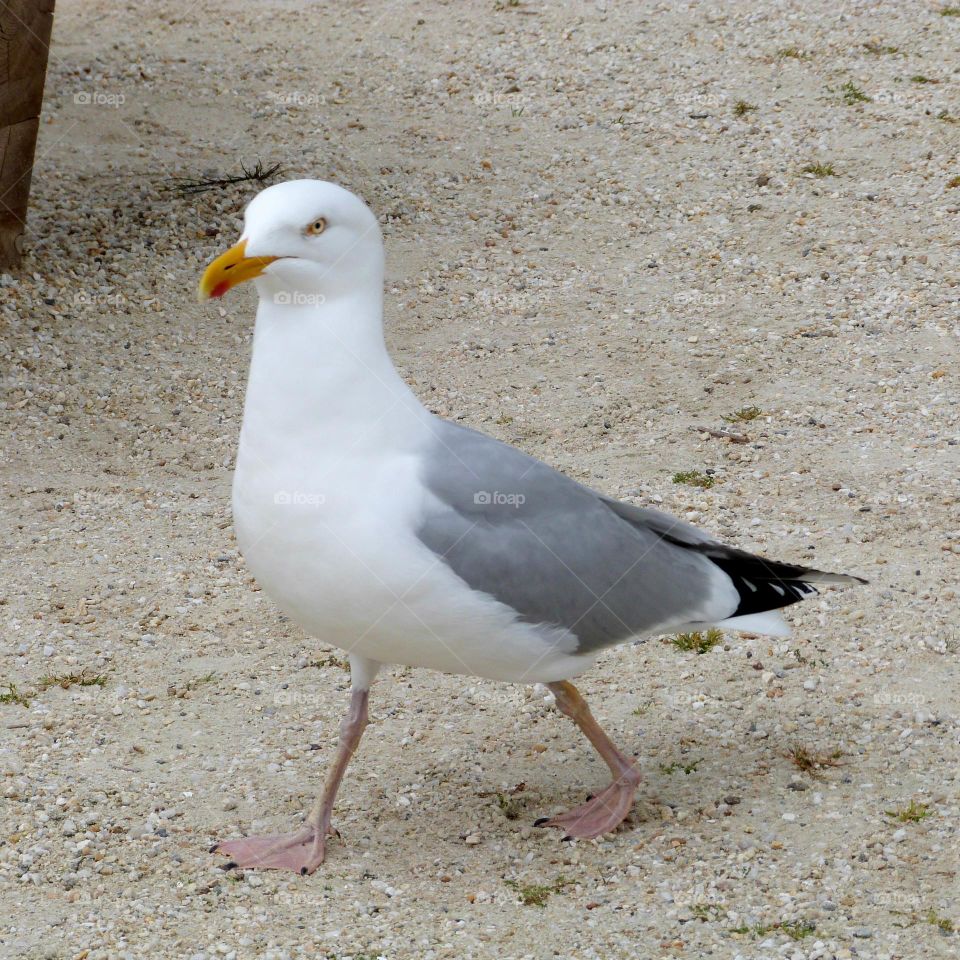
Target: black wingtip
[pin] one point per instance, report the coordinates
(838, 579)
(771, 584)
(540, 821)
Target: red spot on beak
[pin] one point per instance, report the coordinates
(220, 289)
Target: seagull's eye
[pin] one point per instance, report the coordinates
(316, 228)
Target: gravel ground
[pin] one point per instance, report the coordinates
(609, 227)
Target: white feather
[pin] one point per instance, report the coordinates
(770, 622)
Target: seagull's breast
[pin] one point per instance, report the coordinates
(324, 536)
(334, 544)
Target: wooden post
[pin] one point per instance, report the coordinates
(24, 44)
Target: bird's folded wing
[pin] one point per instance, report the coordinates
(556, 551)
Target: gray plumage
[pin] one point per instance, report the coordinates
(560, 553)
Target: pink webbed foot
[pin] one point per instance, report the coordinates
(600, 814)
(609, 808)
(301, 852)
(304, 850)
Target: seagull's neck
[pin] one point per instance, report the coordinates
(322, 383)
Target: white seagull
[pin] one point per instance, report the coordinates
(402, 538)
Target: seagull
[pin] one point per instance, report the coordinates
(402, 538)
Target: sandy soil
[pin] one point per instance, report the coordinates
(593, 251)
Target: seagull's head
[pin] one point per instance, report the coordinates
(303, 241)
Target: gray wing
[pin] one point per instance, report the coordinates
(560, 553)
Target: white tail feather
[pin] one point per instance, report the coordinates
(770, 622)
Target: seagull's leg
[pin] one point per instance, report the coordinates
(304, 850)
(609, 808)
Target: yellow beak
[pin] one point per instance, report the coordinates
(229, 269)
